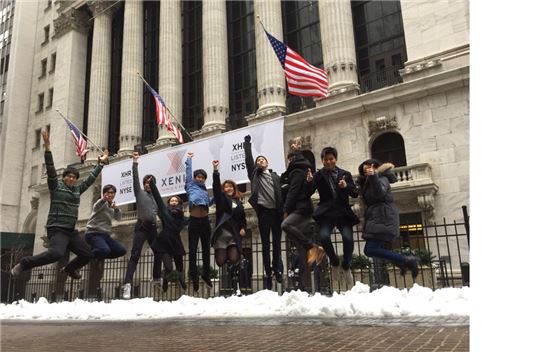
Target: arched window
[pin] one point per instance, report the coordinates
(389, 147)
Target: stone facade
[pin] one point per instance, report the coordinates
(429, 110)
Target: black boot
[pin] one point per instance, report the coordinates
(181, 280)
(411, 262)
(268, 283)
(402, 269)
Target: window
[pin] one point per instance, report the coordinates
(302, 33)
(37, 138)
(40, 106)
(379, 43)
(242, 62)
(43, 68)
(53, 59)
(46, 34)
(192, 65)
(34, 175)
(390, 147)
(411, 232)
(50, 98)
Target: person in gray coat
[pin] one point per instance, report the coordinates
(381, 214)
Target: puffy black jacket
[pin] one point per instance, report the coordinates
(381, 214)
(297, 196)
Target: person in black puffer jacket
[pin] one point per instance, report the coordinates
(168, 245)
(298, 208)
(381, 215)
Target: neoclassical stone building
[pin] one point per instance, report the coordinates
(398, 89)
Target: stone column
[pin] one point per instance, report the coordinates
(270, 75)
(131, 105)
(215, 70)
(100, 77)
(338, 48)
(170, 62)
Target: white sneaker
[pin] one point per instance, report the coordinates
(127, 291)
(348, 277)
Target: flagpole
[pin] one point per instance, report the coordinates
(82, 133)
(174, 118)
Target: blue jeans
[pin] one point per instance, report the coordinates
(104, 246)
(325, 231)
(375, 248)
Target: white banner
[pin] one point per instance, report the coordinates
(168, 165)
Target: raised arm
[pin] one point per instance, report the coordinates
(248, 159)
(216, 183)
(188, 169)
(48, 159)
(89, 180)
(135, 172)
(162, 210)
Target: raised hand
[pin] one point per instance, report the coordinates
(46, 139)
(342, 183)
(104, 159)
(190, 154)
(242, 232)
(135, 156)
(215, 163)
(247, 138)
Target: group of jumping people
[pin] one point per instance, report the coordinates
(281, 202)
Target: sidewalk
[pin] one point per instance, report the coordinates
(416, 334)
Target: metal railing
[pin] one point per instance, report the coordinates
(443, 248)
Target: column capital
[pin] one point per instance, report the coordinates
(99, 7)
(72, 19)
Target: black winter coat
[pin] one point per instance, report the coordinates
(253, 170)
(226, 213)
(297, 195)
(173, 221)
(337, 209)
(381, 215)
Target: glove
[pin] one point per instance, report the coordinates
(247, 138)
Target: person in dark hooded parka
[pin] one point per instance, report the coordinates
(381, 214)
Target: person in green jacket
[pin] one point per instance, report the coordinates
(60, 226)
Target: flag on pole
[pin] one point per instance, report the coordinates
(162, 115)
(79, 141)
(302, 78)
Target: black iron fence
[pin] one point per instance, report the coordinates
(443, 249)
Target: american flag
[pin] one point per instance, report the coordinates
(302, 78)
(79, 141)
(162, 115)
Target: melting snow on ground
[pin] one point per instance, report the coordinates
(358, 302)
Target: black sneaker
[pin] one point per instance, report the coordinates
(73, 274)
(206, 280)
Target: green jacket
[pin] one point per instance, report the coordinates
(64, 200)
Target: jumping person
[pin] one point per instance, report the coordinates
(335, 186)
(60, 226)
(298, 207)
(230, 221)
(266, 199)
(168, 244)
(98, 229)
(199, 224)
(381, 215)
(145, 228)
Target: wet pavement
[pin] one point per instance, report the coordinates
(244, 334)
